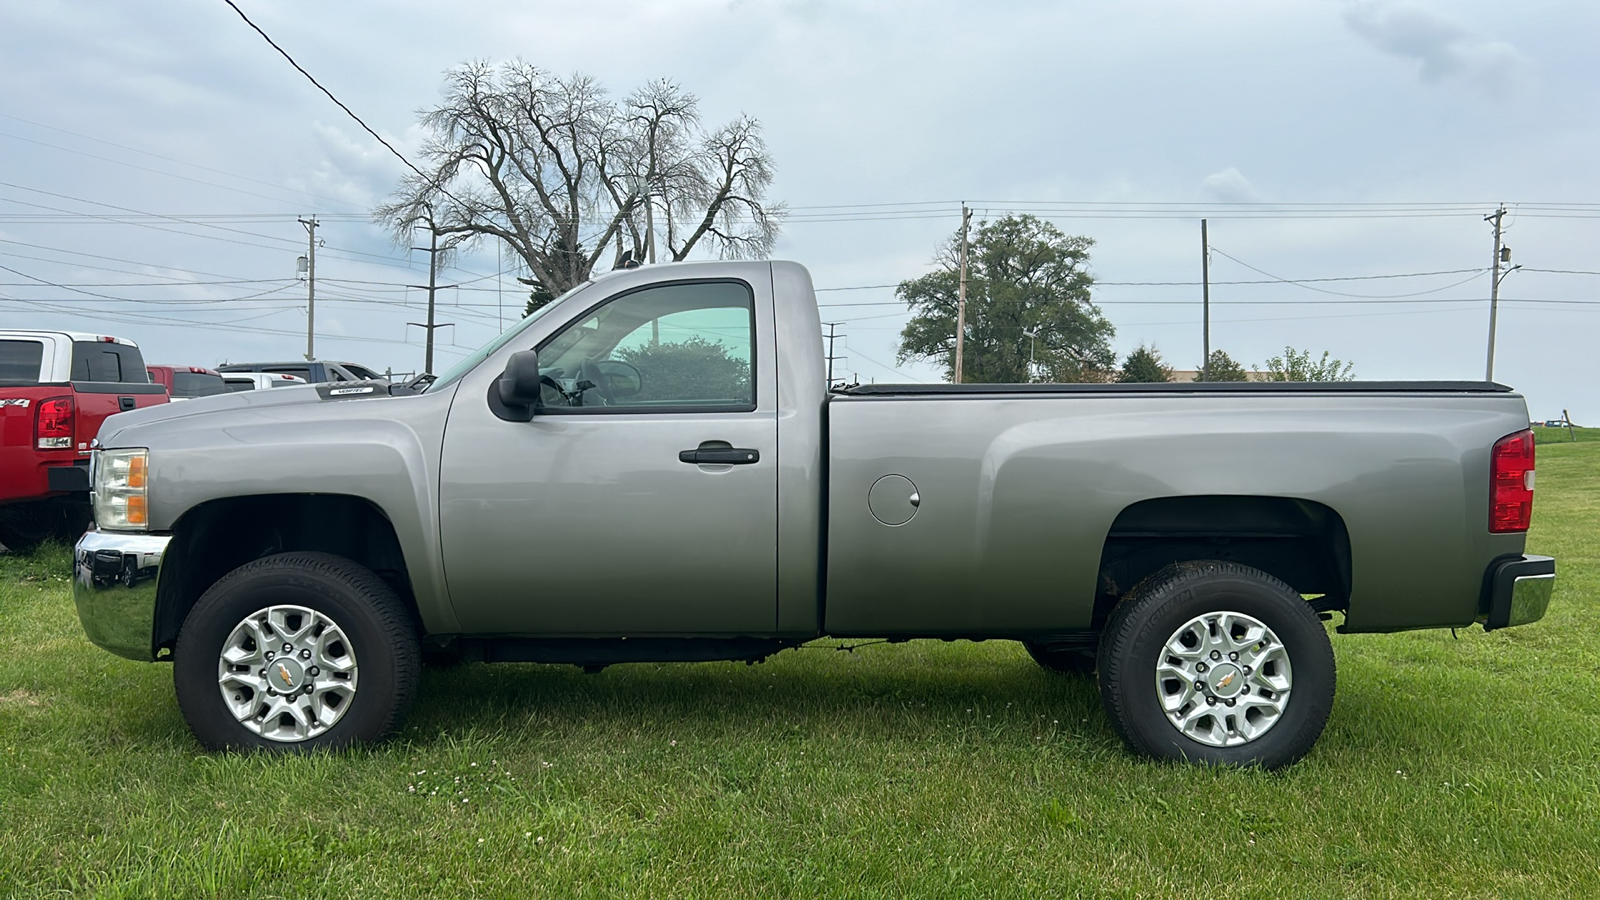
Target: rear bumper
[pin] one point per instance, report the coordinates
(114, 580)
(1518, 591)
(73, 477)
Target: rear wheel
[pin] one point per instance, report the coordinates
(296, 652)
(1217, 663)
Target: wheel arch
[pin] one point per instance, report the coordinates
(217, 536)
(1301, 542)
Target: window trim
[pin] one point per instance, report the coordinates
(751, 407)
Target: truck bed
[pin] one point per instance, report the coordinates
(1036, 503)
(1202, 387)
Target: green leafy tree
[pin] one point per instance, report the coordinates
(694, 369)
(1223, 368)
(1144, 366)
(1024, 277)
(1297, 365)
(538, 294)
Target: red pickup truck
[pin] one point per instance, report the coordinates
(56, 387)
(187, 382)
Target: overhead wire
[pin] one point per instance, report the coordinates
(340, 103)
(180, 162)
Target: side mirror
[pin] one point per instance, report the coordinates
(518, 388)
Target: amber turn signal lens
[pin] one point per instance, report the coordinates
(136, 471)
(138, 513)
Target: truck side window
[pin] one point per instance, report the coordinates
(669, 347)
(21, 362)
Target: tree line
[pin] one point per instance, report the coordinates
(569, 181)
(1030, 317)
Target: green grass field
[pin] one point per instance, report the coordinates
(1462, 767)
(1543, 435)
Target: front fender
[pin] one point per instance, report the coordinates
(384, 450)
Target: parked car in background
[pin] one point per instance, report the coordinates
(316, 371)
(258, 381)
(56, 387)
(187, 382)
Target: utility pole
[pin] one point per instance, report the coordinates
(961, 293)
(1494, 284)
(1205, 301)
(311, 285)
(649, 210)
(831, 336)
(433, 286)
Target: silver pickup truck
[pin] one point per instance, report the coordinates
(652, 468)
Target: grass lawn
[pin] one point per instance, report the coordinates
(1543, 435)
(1452, 767)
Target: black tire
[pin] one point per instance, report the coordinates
(1067, 661)
(1156, 610)
(356, 600)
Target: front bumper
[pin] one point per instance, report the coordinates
(1519, 591)
(114, 587)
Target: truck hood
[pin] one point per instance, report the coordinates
(276, 403)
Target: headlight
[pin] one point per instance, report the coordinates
(121, 489)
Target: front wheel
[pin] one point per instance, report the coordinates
(296, 652)
(1218, 663)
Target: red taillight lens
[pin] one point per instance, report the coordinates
(1511, 483)
(52, 425)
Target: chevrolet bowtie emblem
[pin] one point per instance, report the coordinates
(283, 673)
(1226, 681)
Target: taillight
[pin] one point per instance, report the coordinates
(1511, 483)
(52, 424)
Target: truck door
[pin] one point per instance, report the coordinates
(641, 497)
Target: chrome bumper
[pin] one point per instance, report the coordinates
(1519, 591)
(114, 587)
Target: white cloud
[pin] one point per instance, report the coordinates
(1441, 48)
(1229, 186)
(353, 168)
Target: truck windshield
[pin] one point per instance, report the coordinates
(20, 362)
(461, 368)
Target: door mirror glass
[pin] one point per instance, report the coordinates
(622, 380)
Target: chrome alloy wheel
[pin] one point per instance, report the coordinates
(287, 673)
(1223, 679)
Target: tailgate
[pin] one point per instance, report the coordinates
(23, 467)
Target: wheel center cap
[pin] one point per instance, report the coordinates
(285, 674)
(1226, 680)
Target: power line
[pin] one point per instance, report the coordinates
(180, 162)
(268, 237)
(348, 111)
(1302, 284)
(1272, 280)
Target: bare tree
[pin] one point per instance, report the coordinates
(565, 177)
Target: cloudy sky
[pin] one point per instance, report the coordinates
(153, 158)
